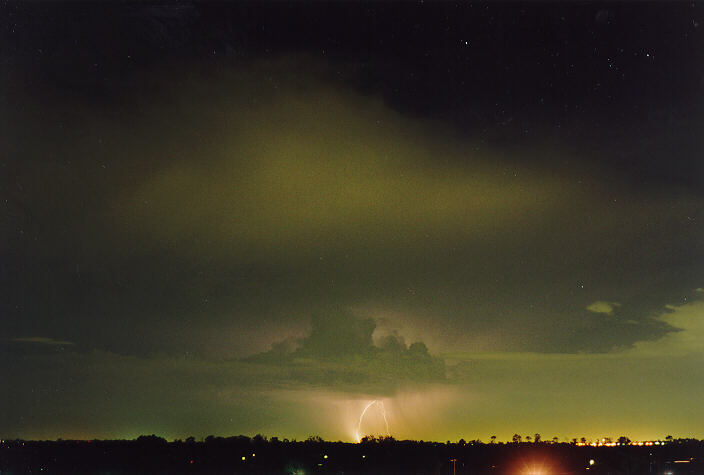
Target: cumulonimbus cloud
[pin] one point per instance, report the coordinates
(339, 352)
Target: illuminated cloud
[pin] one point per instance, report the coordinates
(224, 214)
(339, 353)
(270, 193)
(687, 337)
(309, 167)
(600, 306)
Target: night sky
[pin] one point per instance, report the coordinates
(259, 218)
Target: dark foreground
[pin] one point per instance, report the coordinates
(151, 454)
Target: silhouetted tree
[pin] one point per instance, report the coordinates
(493, 439)
(151, 439)
(516, 439)
(536, 438)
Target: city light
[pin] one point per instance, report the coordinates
(535, 467)
(646, 443)
(535, 471)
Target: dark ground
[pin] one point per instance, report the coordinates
(151, 454)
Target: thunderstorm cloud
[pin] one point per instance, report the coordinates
(265, 243)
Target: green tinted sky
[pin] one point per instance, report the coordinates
(258, 219)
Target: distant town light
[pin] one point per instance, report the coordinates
(535, 471)
(591, 462)
(243, 458)
(325, 456)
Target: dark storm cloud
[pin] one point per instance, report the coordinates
(626, 76)
(340, 353)
(268, 194)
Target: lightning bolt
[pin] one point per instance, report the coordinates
(383, 413)
(379, 404)
(359, 423)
